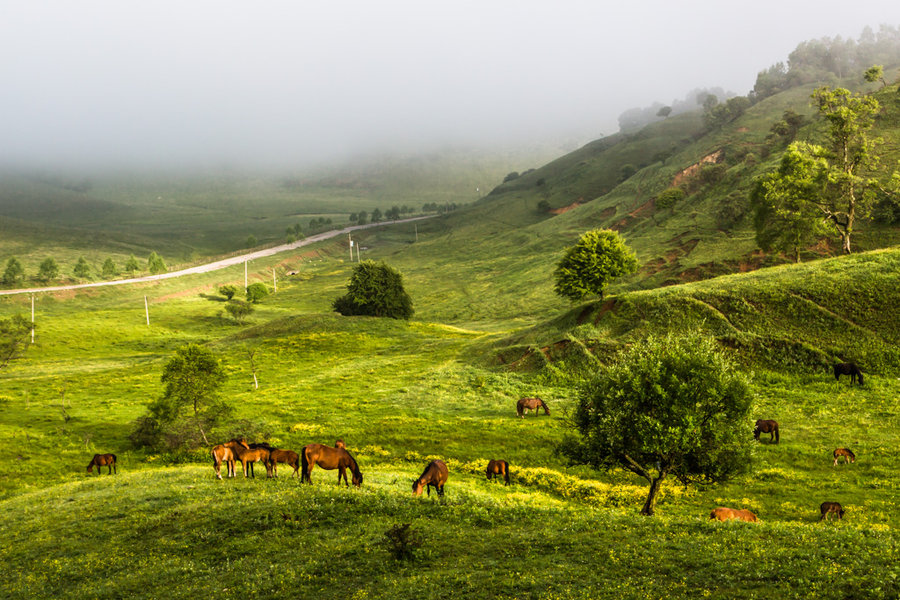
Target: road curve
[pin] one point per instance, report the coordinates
(219, 264)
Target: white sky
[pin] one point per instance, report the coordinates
(284, 82)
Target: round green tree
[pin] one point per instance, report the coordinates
(14, 272)
(587, 267)
(375, 290)
(673, 405)
(48, 269)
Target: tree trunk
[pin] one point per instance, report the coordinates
(650, 504)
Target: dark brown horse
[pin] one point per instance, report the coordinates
(285, 456)
(847, 453)
(828, 508)
(225, 453)
(766, 426)
(330, 458)
(726, 514)
(850, 369)
(103, 460)
(526, 404)
(248, 455)
(496, 468)
(435, 474)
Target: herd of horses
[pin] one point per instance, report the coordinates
(436, 473)
(771, 427)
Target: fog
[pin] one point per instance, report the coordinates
(290, 83)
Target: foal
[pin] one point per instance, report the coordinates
(847, 453)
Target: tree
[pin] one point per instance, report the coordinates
(109, 269)
(239, 310)
(48, 269)
(190, 405)
(14, 272)
(786, 215)
(375, 290)
(875, 73)
(155, 264)
(673, 405)
(376, 215)
(228, 290)
(251, 240)
(586, 268)
(362, 217)
(664, 112)
(14, 332)
(82, 269)
(131, 265)
(256, 292)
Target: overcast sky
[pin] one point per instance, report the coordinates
(288, 82)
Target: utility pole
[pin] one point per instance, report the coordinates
(350, 241)
(245, 274)
(147, 310)
(32, 318)
(416, 225)
(274, 280)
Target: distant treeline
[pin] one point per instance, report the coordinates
(812, 61)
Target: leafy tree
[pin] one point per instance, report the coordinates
(673, 405)
(190, 405)
(362, 218)
(239, 310)
(131, 265)
(875, 73)
(376, 215)
(669, 197)
(14, 332)
(664, 112)
(586, 268)
(842, 193)
(109, 269)
(788, 127)
(48, 269)
(256, 292)
(82, 269)
(14, 271)
(155, 264)
(375, 290)
(353, 217)
(786, 215)
(228, 290)
(511, 176)
(544, 207)
(251, 240)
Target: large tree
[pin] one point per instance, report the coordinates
(837, 172)
(586, 268)
(673, 405)
(375, 290)
(48, 269)
(190, 405)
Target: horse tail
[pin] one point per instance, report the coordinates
(304, 461)
(508, 474)
(777, 436)
(859, 377)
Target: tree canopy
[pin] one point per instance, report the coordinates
(14, 332)
(586, 268)
(14, 272)
(48, 269)
(375, 290)
(673, 405)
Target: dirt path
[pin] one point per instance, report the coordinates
(219, 264)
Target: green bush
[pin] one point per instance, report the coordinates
(375, 290)
(256, 292)
(669, 198)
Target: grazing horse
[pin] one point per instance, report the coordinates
(103, 460)
(330, 458)
(285, 456)
(534, 404)
(496, 468)
(766, 426)
(435, 474)
(831, 508)
(725, 514)
(248, 456)
(226, 453)
(848, 369)
(847, 453)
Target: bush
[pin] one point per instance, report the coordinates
(670, 198)
(228, 290)
(375, 290)
(402, 542)
(256, 292)
(239, 310)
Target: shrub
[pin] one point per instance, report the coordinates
(670, 198)
(401, 542)
(256, 292)
(228, 290)
(375, 290)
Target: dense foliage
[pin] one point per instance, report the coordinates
(375, 290)
(673, 405)
(588, 267)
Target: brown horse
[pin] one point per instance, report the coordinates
(847, 453)
(534, 404)
(103, 460)
(285, 456)
(330, 458)
(435, 474)
(496, 468)
(831, 508)
(766, 426)
(848, 369)
(725, 514)
(248, 456)
(225, 453)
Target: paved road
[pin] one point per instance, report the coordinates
(219, 264)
